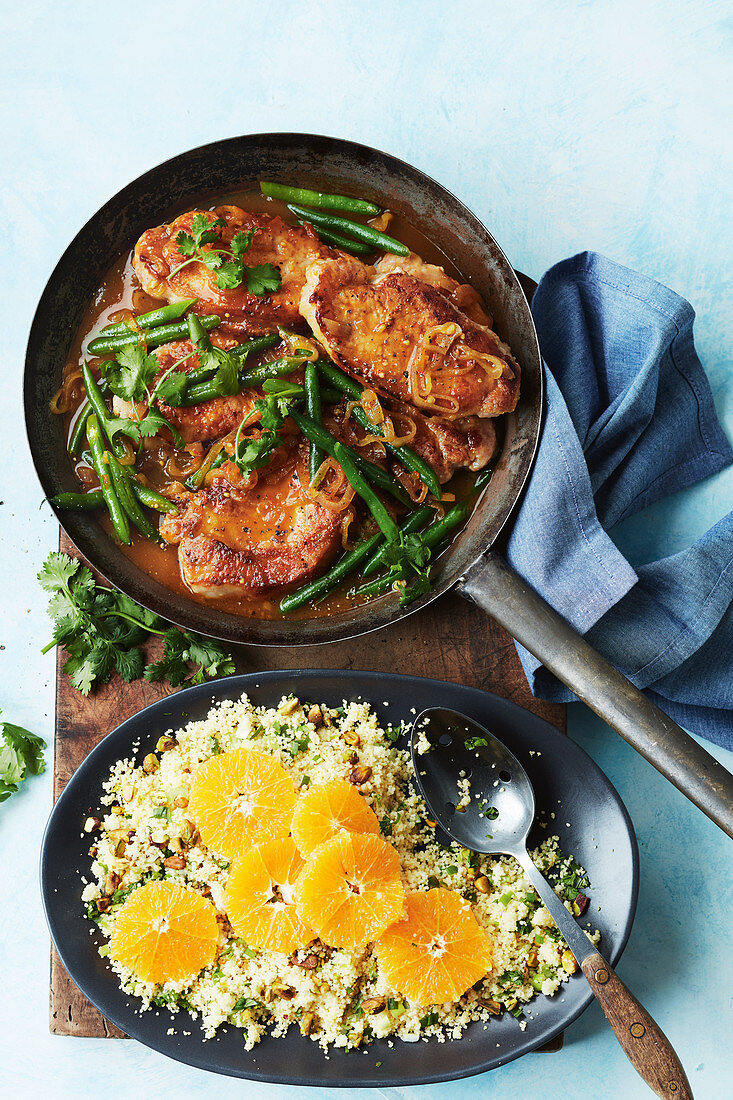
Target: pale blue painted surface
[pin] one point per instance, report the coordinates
(564, 126)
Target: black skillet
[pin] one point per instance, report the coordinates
(478, 573)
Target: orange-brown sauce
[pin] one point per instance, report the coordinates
(119, 295)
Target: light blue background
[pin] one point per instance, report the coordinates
(564, 126)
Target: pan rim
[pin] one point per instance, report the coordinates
(206, 619)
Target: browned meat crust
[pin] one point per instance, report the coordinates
(239, 541)
(407, 340)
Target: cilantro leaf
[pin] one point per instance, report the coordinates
(170, 390)
(209, 656)
(230, 272)
(130, 374)
(241, 242)
(229, 275)
(226, 378)
(129, 663)
(21, 754)
(255, 453)
(204, 229)
(151, 424)
(103, 630)
(185, 243)
(57, 570)
(262, 279)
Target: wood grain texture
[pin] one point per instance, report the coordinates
(449, 640)
(644, 1043)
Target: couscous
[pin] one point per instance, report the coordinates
(147, 832)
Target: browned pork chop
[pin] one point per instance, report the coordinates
(239, 541)
(289, 248)
(406, 339)
(447, 445)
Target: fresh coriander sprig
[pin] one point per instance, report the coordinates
(21, 755)
(103, 630)
(231, 272)
(274, 408)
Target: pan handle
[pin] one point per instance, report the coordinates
(497, 589)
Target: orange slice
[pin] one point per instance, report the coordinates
(259, 897)
(326, 809)
(240, 798)
(349, 890)
(438, 952)
(164, 932)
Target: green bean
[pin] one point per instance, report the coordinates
(329, 237)
(325, 584)
(93, 499)
(198, 334)
(402, 453)
(162, 316)
(101, 463)
(318, 198)
(381, 584)
(379, 477)
(80, 429)
(412, 524)
(430, 538)
(149, 497)
(452, 518)
(276, 368)
(259, 343)
(153, 338)
(360, 485)
(202, 374)
(96, 401)
(330, 396)
(313, 410)
(359, 232)
(128, 501)
(203, 391)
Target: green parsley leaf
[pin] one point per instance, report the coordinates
(262, 279)
(241, 242)
(476, 743)
(103, 630)
(130, 374)
(21, 754)
(170, 390)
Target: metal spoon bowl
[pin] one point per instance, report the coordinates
(449, 749)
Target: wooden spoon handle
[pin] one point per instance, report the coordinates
(644, 1042)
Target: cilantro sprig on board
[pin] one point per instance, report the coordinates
(103, 630)
(21, 755)
(231, 270)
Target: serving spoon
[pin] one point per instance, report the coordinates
(460, 747)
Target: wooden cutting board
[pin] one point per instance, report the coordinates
(448, 640)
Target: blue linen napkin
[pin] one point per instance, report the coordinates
(629, 419)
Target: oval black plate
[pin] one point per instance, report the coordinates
(567, 783)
